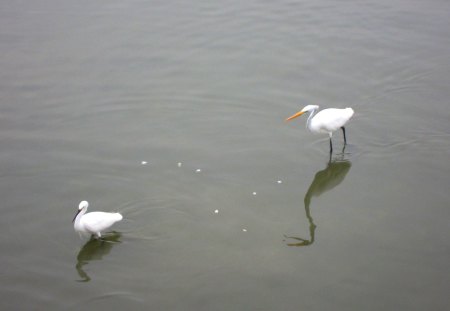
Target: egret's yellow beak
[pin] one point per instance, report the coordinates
(298, 114)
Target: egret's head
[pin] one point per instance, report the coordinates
(83, 205)
(307, 108)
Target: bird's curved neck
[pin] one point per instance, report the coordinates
(310, 116)
(79, 215)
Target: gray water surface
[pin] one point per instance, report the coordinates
(255, 216)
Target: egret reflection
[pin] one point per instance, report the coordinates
(95, 249)
(324, 181)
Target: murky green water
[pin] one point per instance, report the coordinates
(255, 217)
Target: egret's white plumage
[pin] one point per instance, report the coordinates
(325, 121)
(95, 222)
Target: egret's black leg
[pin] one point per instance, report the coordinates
(345, 139)
(331, 146)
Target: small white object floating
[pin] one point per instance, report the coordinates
(254, 193)
(198, 170)
(95, 222)
(144, 162)
(179, 164)
(244, 230)
(216, 211)
(279, 181)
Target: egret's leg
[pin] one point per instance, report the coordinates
(331, 144)
(345, 139)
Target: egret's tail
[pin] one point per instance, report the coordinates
(350, 112)
(118, 216)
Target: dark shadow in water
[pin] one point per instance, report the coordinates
(324, 180)
(95, 249)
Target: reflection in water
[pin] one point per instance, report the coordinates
(324, 180)
(95, 249)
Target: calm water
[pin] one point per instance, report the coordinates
(90, 89)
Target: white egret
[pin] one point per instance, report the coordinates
(94, 222)
(325, 121)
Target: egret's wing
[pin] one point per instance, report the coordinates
(332, 119)
(99, 221)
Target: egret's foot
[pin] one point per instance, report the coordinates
(303, 242)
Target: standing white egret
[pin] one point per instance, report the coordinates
(325, 121)
(94, 222)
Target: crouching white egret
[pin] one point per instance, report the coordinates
(94, 222)
(325, 121)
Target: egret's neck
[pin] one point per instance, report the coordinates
(310, 116)
(78, 218)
